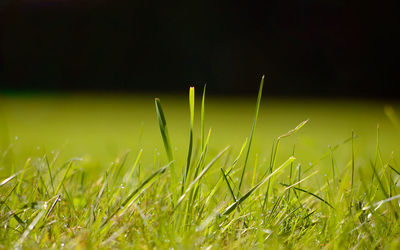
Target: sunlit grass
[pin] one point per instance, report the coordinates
(102, 172)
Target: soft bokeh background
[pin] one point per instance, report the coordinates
(306, 48)
(80, 77)
(99, 128)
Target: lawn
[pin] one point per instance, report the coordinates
(88, 171)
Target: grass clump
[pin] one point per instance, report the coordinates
(205, 198)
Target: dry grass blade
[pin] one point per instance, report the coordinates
(7, 180)
(292, 131)
(31, 226)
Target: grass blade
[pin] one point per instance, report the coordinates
(229, 185)
(316, 196)
(191, 185)
(64, 176)
(251, 133)
(31, 226)
(189, 155)
(292, 131)
(232, 207)
(164, 133)
(135, 164)
(137, 192)
(7, 180)
(202, 119)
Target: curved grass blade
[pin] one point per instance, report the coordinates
(275, 147)
(232, 207)
(316, 196)
(164, 131)
(191, 185)
(136, 193)
(379, 203)
(292, 131)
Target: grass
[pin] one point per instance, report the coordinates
(97, 172)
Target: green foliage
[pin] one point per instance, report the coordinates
(202, 194)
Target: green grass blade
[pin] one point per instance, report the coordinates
(31, 226)
(302, 180)
(393, 117)
(395, 170)
(202, 118)
(137, 192)
(232, 207)
(228, 184)
(316, 196)
(135, 164)
(164, 130)
(49, 171)
(198, 178)
(64, 176)
(275, 147)
(292, 131)
(189, 155)
(251, 133)
(150, 180)
(21, 178)
(200, 163)
(352, 169)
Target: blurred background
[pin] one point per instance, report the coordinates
(80, 77)
(333, 48)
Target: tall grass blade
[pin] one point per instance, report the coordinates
(251, 133)
(202, 118)
(274, 155)
(352, 169)
(189, 155)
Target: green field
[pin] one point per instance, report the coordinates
(83, 171)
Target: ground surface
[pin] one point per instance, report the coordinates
(92, 202)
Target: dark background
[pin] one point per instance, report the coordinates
(333, 48)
